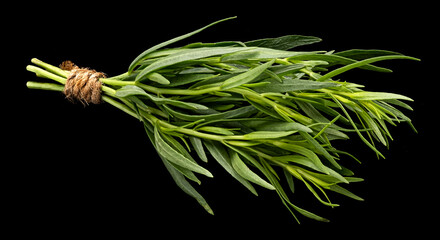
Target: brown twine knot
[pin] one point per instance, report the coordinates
(82, 84)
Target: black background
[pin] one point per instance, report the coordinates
(71, 170)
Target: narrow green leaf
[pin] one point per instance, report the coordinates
(156, 77)
(258, 53)
(273, 125)
(220, 154)
(178, 147)
(215, 44)
(364, 95)
(161, 45)
(373, 126)
(289, 180)
(320, 149)
(187, 55)
(246, 77)
(198, 146)
(303, 151)
(217, 130)
(243, 170)
(173, 156)
(361, 54)
(362, 63)
(284, 42)
(186, 187)
(182, 79)
(290, 85)
(341, 106)
(267, 134)
(239, 112)
(345, 192)
(335, 59)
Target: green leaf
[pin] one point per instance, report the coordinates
(273, 125)
(220, 154)
(246, 77)
(243, 170)
(255, 53)
(289, 180)
(215, 44)
(198, 146)
(161, 45)
(290, 85)
(364, 95)
(285, 199)
(303, 151)
(177, 176)
(239, 112)
(267, 134)
(362, 63)
(156, 77)
(320, 149)
(282, 70)
(182, 79)
(336, 59)
(341, 106)
(173, 156)
(345, 192)
(361, 54)
(178, 147)
(187, 55)
(284, 42)
(186, 187)
(217, 130)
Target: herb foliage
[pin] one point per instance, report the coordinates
(263, 111)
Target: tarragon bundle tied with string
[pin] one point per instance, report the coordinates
(269, 115)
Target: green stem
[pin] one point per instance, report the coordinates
(45, 74)
(50, 68)
(45, 86)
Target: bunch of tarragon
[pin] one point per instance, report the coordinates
(269, 115)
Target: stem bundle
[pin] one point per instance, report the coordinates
(265, 113)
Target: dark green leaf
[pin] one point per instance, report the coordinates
(361, 54)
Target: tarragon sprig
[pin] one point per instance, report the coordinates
(265, 113)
